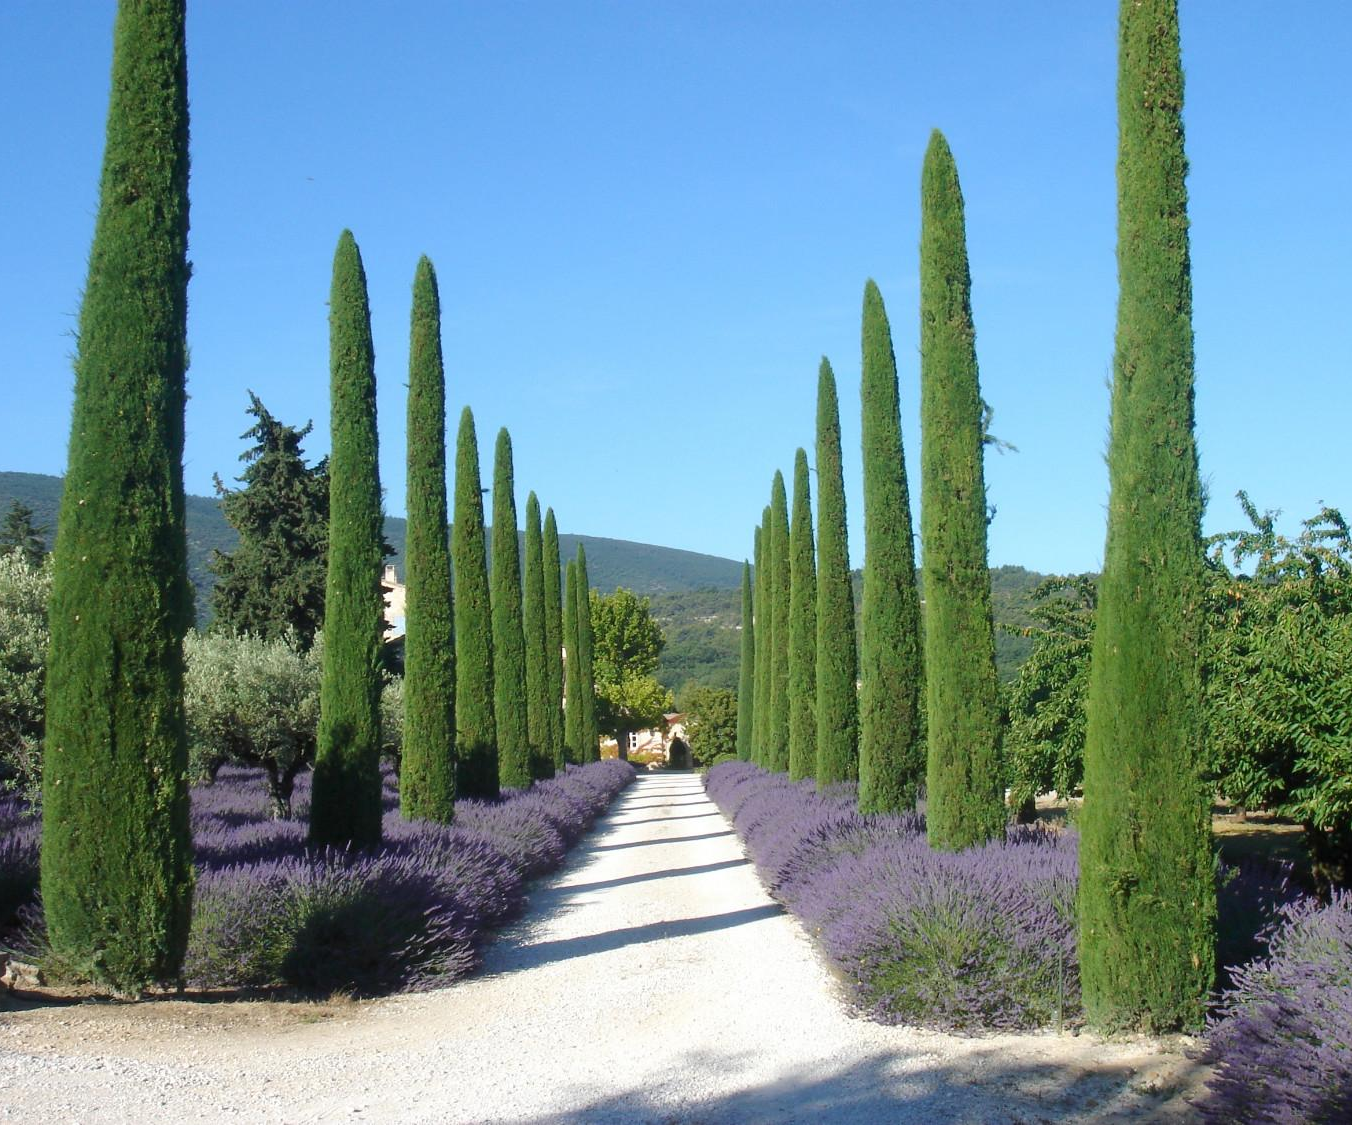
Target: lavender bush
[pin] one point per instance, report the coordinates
(1281, 1037)
(268, 910)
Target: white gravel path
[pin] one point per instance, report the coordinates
(652, 980)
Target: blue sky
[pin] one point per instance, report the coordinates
(651, 219)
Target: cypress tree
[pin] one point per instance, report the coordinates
(837, 657)
(572, 701)
(537, 670)
(1147, 893)
(746, 675)
(116, 848)
(765, 612)
(345, 803)
(553, 640)
(802, 630)
(891, 750)
(475, 728)
(588, 732)
(509, 640)
(427, 766)
(964, 788)
(777, 736)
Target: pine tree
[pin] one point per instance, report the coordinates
(272, 583)
(537, 646)
(509, 641)
(802, 630)
(777, 736)
(746, 676)
(1147, 892)
(837, 657)
(765, 615)
(427, 766)
(553, 640)
(590, 746)
(345, 803)
(963, 784)
(891, 745)
(116, 849)
(572, 692)
(475, 728)
(20, 534)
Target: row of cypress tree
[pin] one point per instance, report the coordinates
(1147, 898)
(117, 873)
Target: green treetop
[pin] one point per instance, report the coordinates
(427, 764)
(345, 803)
(837, 657)
(964, 787)
(572, 702)
(765, 614)
(553, 640)
(777, 737)
(1147, 896)
(537, 664)
(475, 728)
(20, 534)
(802, 630)
(509, 642)
(891, 741)
(116, 849)
(628, 644)
(588, 728)
(746, 676)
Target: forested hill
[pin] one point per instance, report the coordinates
(641, 567)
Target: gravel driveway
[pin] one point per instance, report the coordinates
(651, 980)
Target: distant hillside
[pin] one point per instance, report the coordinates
(641, 567)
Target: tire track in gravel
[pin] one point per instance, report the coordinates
(651, 979)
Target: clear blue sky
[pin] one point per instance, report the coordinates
(650, 219)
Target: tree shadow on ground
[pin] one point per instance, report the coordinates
(891, 1088)
(662, 819)
(527, 954)
(651, 876)
(659, 840)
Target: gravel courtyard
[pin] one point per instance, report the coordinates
(651, 980)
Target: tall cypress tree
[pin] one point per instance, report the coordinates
(802, 630)
(345, 802)
(765, 613)
(476, 731)
(891, 749)
(553, 640)
(509, 640)
(746, 674)
(537, 669)
(1147, 893)
(964, 788)
(116, 849)
(589, 733)
(572, 691)
(837, 656)
(427, 766)
(777, 737)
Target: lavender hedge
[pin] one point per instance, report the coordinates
(269, 911)
(1281, 1037)
(978, 940)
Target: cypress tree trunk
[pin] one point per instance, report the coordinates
(427, 768)
(590, 746)
(509, 641)
(345, 802)
(475, 728)
(553, 640)
(1147, 893)
(764, 618)
(964, 788)
(891, 747)
(802, 630)
(837, 658)
(537, 671)
(777, 737)
(116, 848)
(746, 675)
(572, 699)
